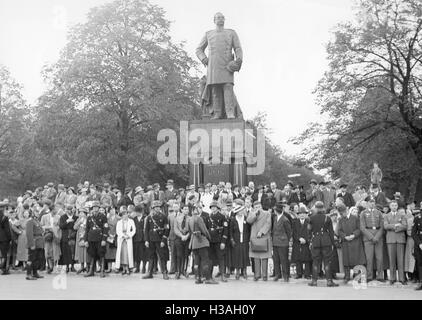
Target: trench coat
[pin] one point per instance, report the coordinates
(353, 252)
(220, 53)
(130, 231)
(260, 223)
(22, 251)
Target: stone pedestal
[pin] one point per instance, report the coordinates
(203, 169)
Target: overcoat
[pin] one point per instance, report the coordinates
(221, 44)
(301, 252)
(260, 223)
(353, 252)
(130, 231)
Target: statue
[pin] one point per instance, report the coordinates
(217, 93)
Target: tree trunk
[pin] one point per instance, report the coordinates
(124, 149)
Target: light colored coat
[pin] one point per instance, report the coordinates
(260, 223)
(131, 229)
(395, 235)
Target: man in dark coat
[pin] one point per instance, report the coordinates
(417, 237)
(68, 239)
(347, 196)
(281, 234)
(5, 239)
(301, 254)
(138, 239)
(35, 245)
(322, 242)
(350, 235)
(379, 196)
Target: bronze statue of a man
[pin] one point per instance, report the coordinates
(221, 63)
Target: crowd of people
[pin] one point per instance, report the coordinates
(322, 231)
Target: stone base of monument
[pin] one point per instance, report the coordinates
(226, 140)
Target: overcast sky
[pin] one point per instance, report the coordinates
(283, 45)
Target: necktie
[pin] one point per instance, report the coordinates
(184, 222)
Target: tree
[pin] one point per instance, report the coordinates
(123, 74)
(277, 165)
(371, 93)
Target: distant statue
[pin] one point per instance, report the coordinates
(376, 174)
(217, 93)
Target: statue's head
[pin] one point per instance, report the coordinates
(219, 19)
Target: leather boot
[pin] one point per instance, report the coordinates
(35, 274)
(221, 272)
(150, 268)
(29, 272)
(91, 269)
(102, 274)
(313, 283)
(330, 282)
(197, 275)
(346, 275)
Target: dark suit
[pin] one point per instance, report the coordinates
(347, 199)
(417, 237)
(139, 250)
(5, 235)
(281, 233)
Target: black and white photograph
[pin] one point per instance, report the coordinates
(185, 150)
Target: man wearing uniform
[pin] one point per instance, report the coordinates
(322, 241)
(219, 232)
(95, 238)
(156, 235)
(372, 227)
(417, 237)
(35, 245)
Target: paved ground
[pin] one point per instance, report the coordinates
(116, 286)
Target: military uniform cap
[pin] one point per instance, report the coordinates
(156, 203)
(215, 204)
(319, 205)
(95, 204)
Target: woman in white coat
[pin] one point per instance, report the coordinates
(125, 230)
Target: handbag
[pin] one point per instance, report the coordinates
(48, 236)
(112, 241)
(259, 244)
